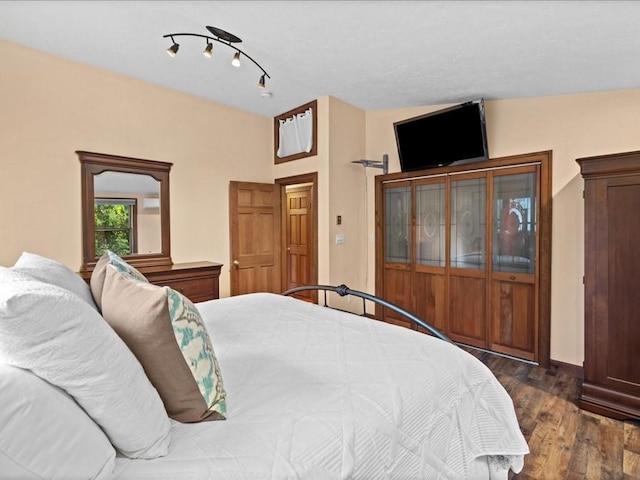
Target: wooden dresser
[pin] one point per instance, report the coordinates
(198, 281)
(611, 299)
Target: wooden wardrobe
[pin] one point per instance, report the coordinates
(611, 276)
(467, 248)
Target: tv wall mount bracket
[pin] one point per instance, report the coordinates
(384, 164)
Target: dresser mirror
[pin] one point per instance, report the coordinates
(125, 209)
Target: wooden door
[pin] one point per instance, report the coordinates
(430, 239)
(397, 249)
(299, 242)
(467, 315)
(514, 245)
(254, 217)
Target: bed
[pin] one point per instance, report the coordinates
(316, 393)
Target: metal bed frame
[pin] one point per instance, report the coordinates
(343, 290)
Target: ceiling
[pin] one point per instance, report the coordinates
(370, 54)
(120, 182)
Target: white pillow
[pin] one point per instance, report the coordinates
(60, 338)
(55, 273)
(45, 434)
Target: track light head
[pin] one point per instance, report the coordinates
(236, 60)
(173, 49)
(261, 81)
(208, 51)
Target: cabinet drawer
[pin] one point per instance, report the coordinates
(196, 290)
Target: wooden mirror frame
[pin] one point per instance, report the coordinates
(96, 163)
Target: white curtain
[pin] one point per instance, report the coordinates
(296, 134)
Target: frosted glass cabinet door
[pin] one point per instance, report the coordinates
(514, 223)
(468, 223)
(430, 224)
(397, 224)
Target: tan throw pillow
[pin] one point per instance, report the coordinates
(165, 331)
(98, 275)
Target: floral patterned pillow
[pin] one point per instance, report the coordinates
(100, 270)
(124, 267)
(165, 331)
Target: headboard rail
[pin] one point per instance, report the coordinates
(343, 290)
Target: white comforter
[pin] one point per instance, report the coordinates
(315, 393)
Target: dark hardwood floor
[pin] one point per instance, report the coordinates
(565, 441)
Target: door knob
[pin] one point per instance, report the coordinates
(236, 263)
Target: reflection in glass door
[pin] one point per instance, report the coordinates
(467, 297)
(514, 223)
(397, 249)
(468, 223)
(397, 224)
(430, 225)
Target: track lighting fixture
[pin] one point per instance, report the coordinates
(219, 36)
(236, 60)
(173, 49)
(208, 51)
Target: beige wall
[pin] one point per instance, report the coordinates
(341, 191)
(149, 227)
(149, 233)
(51, 107)
(347, 198)
(571, 126)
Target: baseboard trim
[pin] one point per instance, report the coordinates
(567, 369)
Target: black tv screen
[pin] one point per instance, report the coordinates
(454, 134)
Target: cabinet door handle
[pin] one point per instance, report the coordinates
(512, 277)
(236, 263)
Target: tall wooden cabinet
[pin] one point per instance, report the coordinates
(467, 248)
(612, 300)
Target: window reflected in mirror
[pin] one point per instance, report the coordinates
(115, 226)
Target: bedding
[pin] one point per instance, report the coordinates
(50, 271)
(68, 444)
(312, 393)
(62, 339)
(320, 394)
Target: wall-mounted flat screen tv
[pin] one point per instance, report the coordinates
(453, 135)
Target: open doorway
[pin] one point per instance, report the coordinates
(299, 233)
